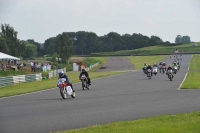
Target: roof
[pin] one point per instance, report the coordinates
(6, 56)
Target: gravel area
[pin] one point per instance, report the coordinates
(116, 64)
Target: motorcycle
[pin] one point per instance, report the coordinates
(84, 82)
(175, 69)
(170, 74)
(160, 68)
(155, 70)
(163, 69)
(65, 89)
(144, 70)
(149, 73)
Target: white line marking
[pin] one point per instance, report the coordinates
(185, 74)
(57, 87)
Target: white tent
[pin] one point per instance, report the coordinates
(7, 57)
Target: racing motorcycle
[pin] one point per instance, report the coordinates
(170, 74)
(149, 73)
(155, 70)
(144, 70)
(175, 69)
(65, 89)
(163, 69)
(84, 81)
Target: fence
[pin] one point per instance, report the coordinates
(5, 81)
(55, 72)
(92, 66)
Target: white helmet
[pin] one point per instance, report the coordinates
(61, 73)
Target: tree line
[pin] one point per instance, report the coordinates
(182, 39)
(76, 43)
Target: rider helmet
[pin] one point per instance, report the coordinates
(61, 73)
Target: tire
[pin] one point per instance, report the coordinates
(63, 95)
(73, 95)
(149, 75)
(170, 77)
(83, 84)
(88, 86)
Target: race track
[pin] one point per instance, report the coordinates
(123, 97)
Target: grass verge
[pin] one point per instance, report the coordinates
(160, 49)
(138, 61)
(181, 123)
(46, 84)
(193, 77)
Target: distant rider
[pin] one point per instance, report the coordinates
(169, 68)
(149, 67)
(62, 75)
(155, 65)
(83, 71)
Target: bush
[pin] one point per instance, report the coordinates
(45, 74)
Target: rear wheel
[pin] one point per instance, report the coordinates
(73, 95)
(87, 86)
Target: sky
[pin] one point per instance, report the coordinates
(42, 19)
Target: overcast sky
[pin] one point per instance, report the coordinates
(42, 19)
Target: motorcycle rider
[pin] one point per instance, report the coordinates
(144, 67)
(169, 68)
(174, 64)
(155, 65)
(149, 67)
(83, 71)
(62, 75)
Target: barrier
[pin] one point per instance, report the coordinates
(5, 81)
(92, 66)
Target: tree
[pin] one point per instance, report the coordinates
(186, 39)
(13, 44)
(3, 47)
(40, 51)
(178, 39)
(65, 46)
(30, 51)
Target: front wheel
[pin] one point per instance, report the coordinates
(63, 93)
(83, 84)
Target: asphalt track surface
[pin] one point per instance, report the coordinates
(123, 97)
(116, 64)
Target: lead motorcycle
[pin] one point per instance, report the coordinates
(149, 73)
(65, 89)
(170, 74)
(84, 81)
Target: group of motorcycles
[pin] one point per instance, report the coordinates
(66, 90)
(162, 68)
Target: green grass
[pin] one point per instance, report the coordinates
(181, 123)
(155, 50)
(195, 63)
(46, 84)
(138, 61)
(193, 77)
(14, 73)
